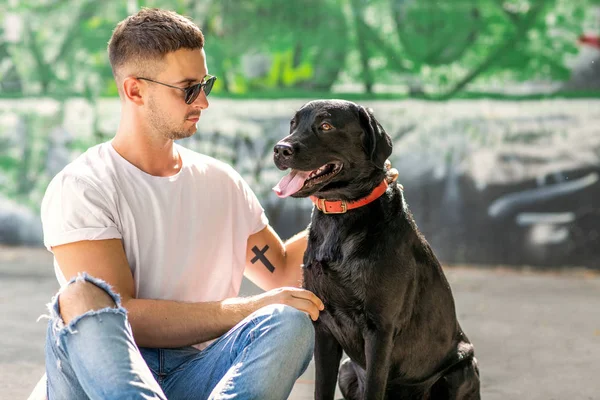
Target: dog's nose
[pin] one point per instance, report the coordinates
(283, 150)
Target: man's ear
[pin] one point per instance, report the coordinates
(376, 142)
(132, 90)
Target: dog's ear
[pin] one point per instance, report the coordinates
(376, 142)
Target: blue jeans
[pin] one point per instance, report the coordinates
(95, 357)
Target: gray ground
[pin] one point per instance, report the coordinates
(536, 335)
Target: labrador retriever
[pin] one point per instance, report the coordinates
(388, 305)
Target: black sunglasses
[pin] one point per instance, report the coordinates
(192, 92)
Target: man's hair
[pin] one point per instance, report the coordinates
(141, 40)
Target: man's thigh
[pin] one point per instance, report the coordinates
(187, 372)
(242, 361)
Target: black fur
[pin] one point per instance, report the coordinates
(388, 305)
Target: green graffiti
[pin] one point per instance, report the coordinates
(277, 48)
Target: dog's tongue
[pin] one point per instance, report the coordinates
(291, 183)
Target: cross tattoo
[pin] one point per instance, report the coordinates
(260, 255)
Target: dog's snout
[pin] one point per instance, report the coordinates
(283, 150)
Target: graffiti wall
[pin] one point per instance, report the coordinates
(493, 107)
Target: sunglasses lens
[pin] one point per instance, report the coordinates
(209, 85)
(192, 93)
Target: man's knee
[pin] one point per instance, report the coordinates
(296, 321)
(80, 297)
(292, 325)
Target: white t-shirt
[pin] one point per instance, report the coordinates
(184, 236)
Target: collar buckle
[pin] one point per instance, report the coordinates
(343, 205)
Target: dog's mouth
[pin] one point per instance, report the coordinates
(297, 180)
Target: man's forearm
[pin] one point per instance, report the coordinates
(165, 323)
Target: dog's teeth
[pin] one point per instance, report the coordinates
(322, 173)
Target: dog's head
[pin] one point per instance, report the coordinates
(336, 150)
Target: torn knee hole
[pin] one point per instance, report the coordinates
(81, 297)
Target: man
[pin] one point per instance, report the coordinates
(172, 232)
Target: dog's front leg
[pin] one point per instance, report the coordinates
(378, 349)
(328, 354)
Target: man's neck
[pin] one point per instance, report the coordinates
(154, 156)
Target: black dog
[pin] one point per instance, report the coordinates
(388, 304)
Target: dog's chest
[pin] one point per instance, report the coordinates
(333, 267)
(337, 277)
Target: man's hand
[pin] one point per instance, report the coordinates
(391, 174)
(300, 299)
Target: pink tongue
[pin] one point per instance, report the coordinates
(291, 183)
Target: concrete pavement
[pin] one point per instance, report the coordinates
(536, 335)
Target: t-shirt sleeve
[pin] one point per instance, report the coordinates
(255, 215)
(74, 210)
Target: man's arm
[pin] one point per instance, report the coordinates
(165, 323)
(270, 263)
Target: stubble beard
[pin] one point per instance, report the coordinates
(160, 124)
(176, 134)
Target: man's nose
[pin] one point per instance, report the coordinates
(283, 150)
(201, 101)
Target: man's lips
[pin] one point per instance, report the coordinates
(194, 118)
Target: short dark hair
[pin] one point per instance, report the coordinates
(148, 36)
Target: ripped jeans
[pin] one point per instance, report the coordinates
(95, 357)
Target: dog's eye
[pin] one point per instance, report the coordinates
(326, 127)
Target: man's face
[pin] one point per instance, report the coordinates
(168, 114)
